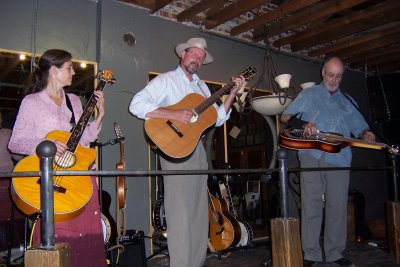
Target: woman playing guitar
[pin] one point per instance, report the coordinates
(45, 110)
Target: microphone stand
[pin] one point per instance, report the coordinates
(100, 146)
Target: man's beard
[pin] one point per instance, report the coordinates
(192, 67)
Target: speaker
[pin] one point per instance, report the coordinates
(134, 254)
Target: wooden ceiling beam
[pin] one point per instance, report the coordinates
(277, 13)
(158, 4)
(384, 41)
(387, 68)
(235, 10)
(377, 33)
(376, 60)
(353, 28)
(194, 10)
(381, 51)
(313, 32)
(217, 6)
(317, 12)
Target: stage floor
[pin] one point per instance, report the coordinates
(361, 254)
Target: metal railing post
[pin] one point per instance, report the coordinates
(46, 151)
(283, 177)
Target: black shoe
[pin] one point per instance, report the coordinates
(307, 263)
(344, 262)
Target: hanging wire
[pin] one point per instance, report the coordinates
(267, 79)
(383, 93)
(34, 31)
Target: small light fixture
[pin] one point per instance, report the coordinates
(22, 56)
(283, 80)
(83, 65)
(307, 85)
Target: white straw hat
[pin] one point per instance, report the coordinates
(195, 42)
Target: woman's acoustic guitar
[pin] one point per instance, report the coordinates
(71, 194)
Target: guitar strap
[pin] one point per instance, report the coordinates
(69, 105)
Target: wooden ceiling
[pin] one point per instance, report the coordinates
(364, 33)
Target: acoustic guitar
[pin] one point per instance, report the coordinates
(246, 232)
(177, 139)
(224, 228)
(293, 138)
(121, 184)
(71, 194)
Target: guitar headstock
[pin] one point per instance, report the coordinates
(248, 73)
(106, 75)
(393, 150)
(118, 131)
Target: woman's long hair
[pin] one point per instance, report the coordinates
(37, 80)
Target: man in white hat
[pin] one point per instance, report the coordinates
(185, 200)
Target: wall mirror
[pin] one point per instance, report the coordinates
(15, 67)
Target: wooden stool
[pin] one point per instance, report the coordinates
(286, 245)
(38, 257)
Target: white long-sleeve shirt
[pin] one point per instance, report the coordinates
(168, 89)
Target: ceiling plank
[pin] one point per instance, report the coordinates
(353, 28)
(280, 11)
(212, 11)
(158, 4)
(376, 60)
(194, 10)
(235, 10)
(331, 25)
(381, 51)
(377, 33)
(308, 15)
(381, 42)
(388, 68)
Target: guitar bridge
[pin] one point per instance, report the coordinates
(174, 128)
(56, 187)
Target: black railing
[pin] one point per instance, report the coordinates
(46, 152)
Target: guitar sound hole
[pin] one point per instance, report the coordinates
(67, 160)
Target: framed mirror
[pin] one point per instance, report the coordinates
(15, 67)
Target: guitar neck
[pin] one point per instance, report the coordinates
(247, 74)
(83, 120)
(213, 98)
(352, 141)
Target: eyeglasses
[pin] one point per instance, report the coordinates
(331, 75)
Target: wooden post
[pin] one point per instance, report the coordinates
(393, 220)
(351, 229)
(286, 245)
(57, 257)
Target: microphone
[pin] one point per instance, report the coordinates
(116, 140)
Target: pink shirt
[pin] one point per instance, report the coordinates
(38, 115)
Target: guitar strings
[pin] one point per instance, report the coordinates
(62, 161)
